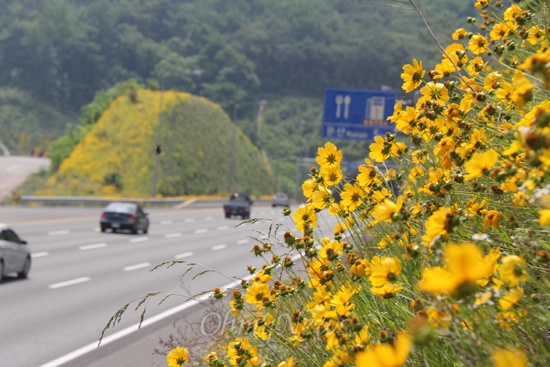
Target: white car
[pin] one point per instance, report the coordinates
(15, 255)
(280, 199)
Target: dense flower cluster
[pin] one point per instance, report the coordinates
(440, 255)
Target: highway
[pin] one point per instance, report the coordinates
(80, 277)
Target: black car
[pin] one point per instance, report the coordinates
(124, 216)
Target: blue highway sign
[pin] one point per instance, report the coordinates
(357, 114)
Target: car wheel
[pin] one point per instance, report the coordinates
(145, 230)
(227, 215)
(1, 270)
(26, 268)
(102, 229)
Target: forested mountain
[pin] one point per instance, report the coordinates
(63, 53)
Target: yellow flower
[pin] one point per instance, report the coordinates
(480, 163)
(240, 350)
(386, 355)
(360, 268)
(331, 175)
(437, 225)
(387, 289)
(509, 358)
(308, 187)
(321, 198)
(329, 155)
(512, 270)
(412, 76)
(510, 299)
(177, 357)
(544, 217)
(380, 149)
(256, 293)
(385, 272)
(464, 265)
(352, 196)
(438, 318)
(434, 92)
(477, 44)
(385, 211)
(492, 218)
(289, 362)
(459, 34)
(305, 216)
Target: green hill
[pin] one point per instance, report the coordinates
(199, 147)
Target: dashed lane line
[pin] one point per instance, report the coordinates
(139, 239)
(69, 282)
(173, 235)
(219, 247)
(92, 247)
(34, 255)
(137, 266)
(58, 233)
(184, 255)
(202, 230)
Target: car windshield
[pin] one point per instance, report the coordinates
(121, 207)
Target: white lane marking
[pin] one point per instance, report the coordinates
(57, 233)
(208, 218)
(188, 220)
(241, 242)
(137, 266)
(166, 222)
(219, 247)
(185, 254)
(172, 235)
(139, 239)
(69, 282)
(202, 230)
(39, 254)
(92, 247)
(221, 228)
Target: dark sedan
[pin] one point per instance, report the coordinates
(119, 216)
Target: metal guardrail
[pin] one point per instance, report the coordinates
(83, 200)
(94, 201)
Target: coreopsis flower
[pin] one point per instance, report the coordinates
(492, 218)
(380, 149)
(479, 164)
(522, 91)
(331, 175)
(501, 30)
(512, 270)
(256, 293)
(412, 76)
(439, 318)
(509, 358)
(360, 268)
(464, 266)
(305, 216)
(387, 290)
(308, 187)
(386, 355)
(328, 155)
(434, 92)
(289, 362)
(177, 357)
(386, 271)
(367, 174)
(459, 34)
(341, 301)
(513, 12)
(510, 299)
(493, 81)
(438, 225)
(352, 196)
(240, 351)
(536, 34)
(476, 66)
(507, 319)
(321, 198)
(544, 217)
(387, 210)
(478, 44)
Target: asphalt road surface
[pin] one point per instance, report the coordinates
(14, 170)
(80, 277)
